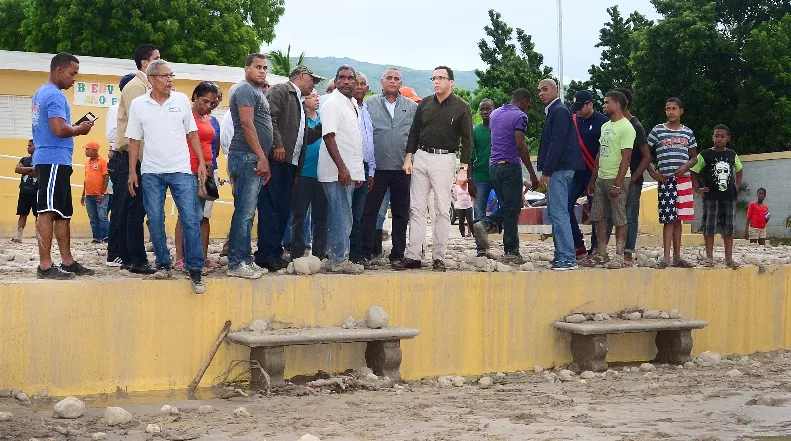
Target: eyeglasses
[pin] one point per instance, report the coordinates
(438, 78)
(392, 78)
(170, 75)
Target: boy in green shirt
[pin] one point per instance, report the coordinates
(609, 183)
(478, 172)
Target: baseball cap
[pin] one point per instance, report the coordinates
(306, 70)
(409, 92)
(580, 99)
(125, 80)
(92, 145)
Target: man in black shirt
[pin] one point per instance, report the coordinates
(28, 187)
(441, 122)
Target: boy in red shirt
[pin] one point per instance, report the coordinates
(757, 216)
(94, 192)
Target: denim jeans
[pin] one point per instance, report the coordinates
(246, 186)
(507, 181)
(481, 198)
(286, 242)
(579, 187)
(274, 208)
(339, 220)
(97, 214)
(184, 190)
(558, 210)
(309, 202)
(356, 236)
(380, 218)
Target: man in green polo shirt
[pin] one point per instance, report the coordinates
(478, 172)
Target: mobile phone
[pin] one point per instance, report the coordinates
(90, 117)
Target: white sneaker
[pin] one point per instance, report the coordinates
(347, 267)
(115, 263)
(244, 271)
(255, 267)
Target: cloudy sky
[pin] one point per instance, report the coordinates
(424, 33)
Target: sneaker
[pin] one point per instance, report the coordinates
(272, 266)
(77, 269)
(244, 271)
(347, 267)
(179, 265)
(564, 266)
(255, 267)
(115, 263)
(439, 266)
(144, 269)
(405, 264)
(198, 285)
(15, 240)
(54, 272)
(512, 259)
(163, 272)
(96, 241)
(481, 232)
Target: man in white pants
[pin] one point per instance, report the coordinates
(441, 122)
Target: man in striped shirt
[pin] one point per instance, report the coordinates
(676, 152)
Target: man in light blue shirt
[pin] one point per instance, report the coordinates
(369, 161)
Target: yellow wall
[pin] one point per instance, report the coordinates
(82, 337)
(25, 84)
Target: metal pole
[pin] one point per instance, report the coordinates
(560, 50)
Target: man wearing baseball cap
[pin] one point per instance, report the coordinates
(588, 123)
(94, 190)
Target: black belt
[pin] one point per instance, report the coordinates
(436, 151)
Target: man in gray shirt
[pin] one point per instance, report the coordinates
(247, 162)
(391, 116)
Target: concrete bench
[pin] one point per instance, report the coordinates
(382, 353)
(589, 339)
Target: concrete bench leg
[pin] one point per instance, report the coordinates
(674, 347)
(273, 361)
(384, 358)
(589, 351)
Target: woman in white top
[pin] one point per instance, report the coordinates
(462, 203)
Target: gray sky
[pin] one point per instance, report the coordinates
(424, 33)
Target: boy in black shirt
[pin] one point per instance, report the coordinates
(720, 171)
(28, 188)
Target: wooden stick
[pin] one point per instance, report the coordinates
(194, 385)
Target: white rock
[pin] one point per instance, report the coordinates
(149, 247)
(651, 314)
(664, 315)
(6, 416)
(538, 369)
(634, 316)
(349, 323)
(499, 375)
(527, 266)
(98, 436)
(744, 360)
(481, 262)
(376, 317)
(546, 257)
(575, 318)
(599, 317)
(445, 381)
(70, 408)
(458, 381)
(302, 265)
(223, 261)
(241, 412)
(733, 373)
(689, 365)
(674, 314)
(566, 375)
(171, 410)
(371, 376)
(153, 428)
(114, 416)
(22, 397)
(708, 359)
(503, 268)
(485, 382)
(588, 375)
(308, 437)
(290, 268)
(205, 409)
(647, 367)
(259, 325)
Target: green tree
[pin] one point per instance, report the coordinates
(192, 31)
(281, 63)
(464, 94)
(618, 40)
(686, 56)
(511, 67)
(12, 13)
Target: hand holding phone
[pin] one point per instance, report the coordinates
(88, 117)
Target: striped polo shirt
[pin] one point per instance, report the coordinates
(672, 147)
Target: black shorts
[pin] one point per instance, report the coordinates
(54, 190)
(26, 204)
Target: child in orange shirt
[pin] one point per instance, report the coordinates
(94, 192)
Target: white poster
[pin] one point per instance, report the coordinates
(96, 94)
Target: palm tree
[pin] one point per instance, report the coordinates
(281, 63)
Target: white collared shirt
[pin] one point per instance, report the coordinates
(391, 107)
(546, 109)
(340, 116)
(165, 128)
(112, 124)
(301, 131)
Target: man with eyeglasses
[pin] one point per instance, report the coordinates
(164, 118)
(128, 250)
(441, 122)
(290, 134)
(391, 117)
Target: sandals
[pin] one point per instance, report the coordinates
(733, 264)
(708, 263)
(594, 260)
(683, 264)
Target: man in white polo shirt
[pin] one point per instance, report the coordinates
(340, 168)
(164, 118)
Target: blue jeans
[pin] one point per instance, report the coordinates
(339, 220)
(184, 190)
(481, 198)
(306, 229)
(380, 218)
(579, 186)
(97, 214)
(507, 181)
(247, 184)
(274, 208)
(558, 210)
(356, 235)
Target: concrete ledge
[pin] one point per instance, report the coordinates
(311, 336)
(625, 326)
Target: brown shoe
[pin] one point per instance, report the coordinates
(439, 266)
(405, 264)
